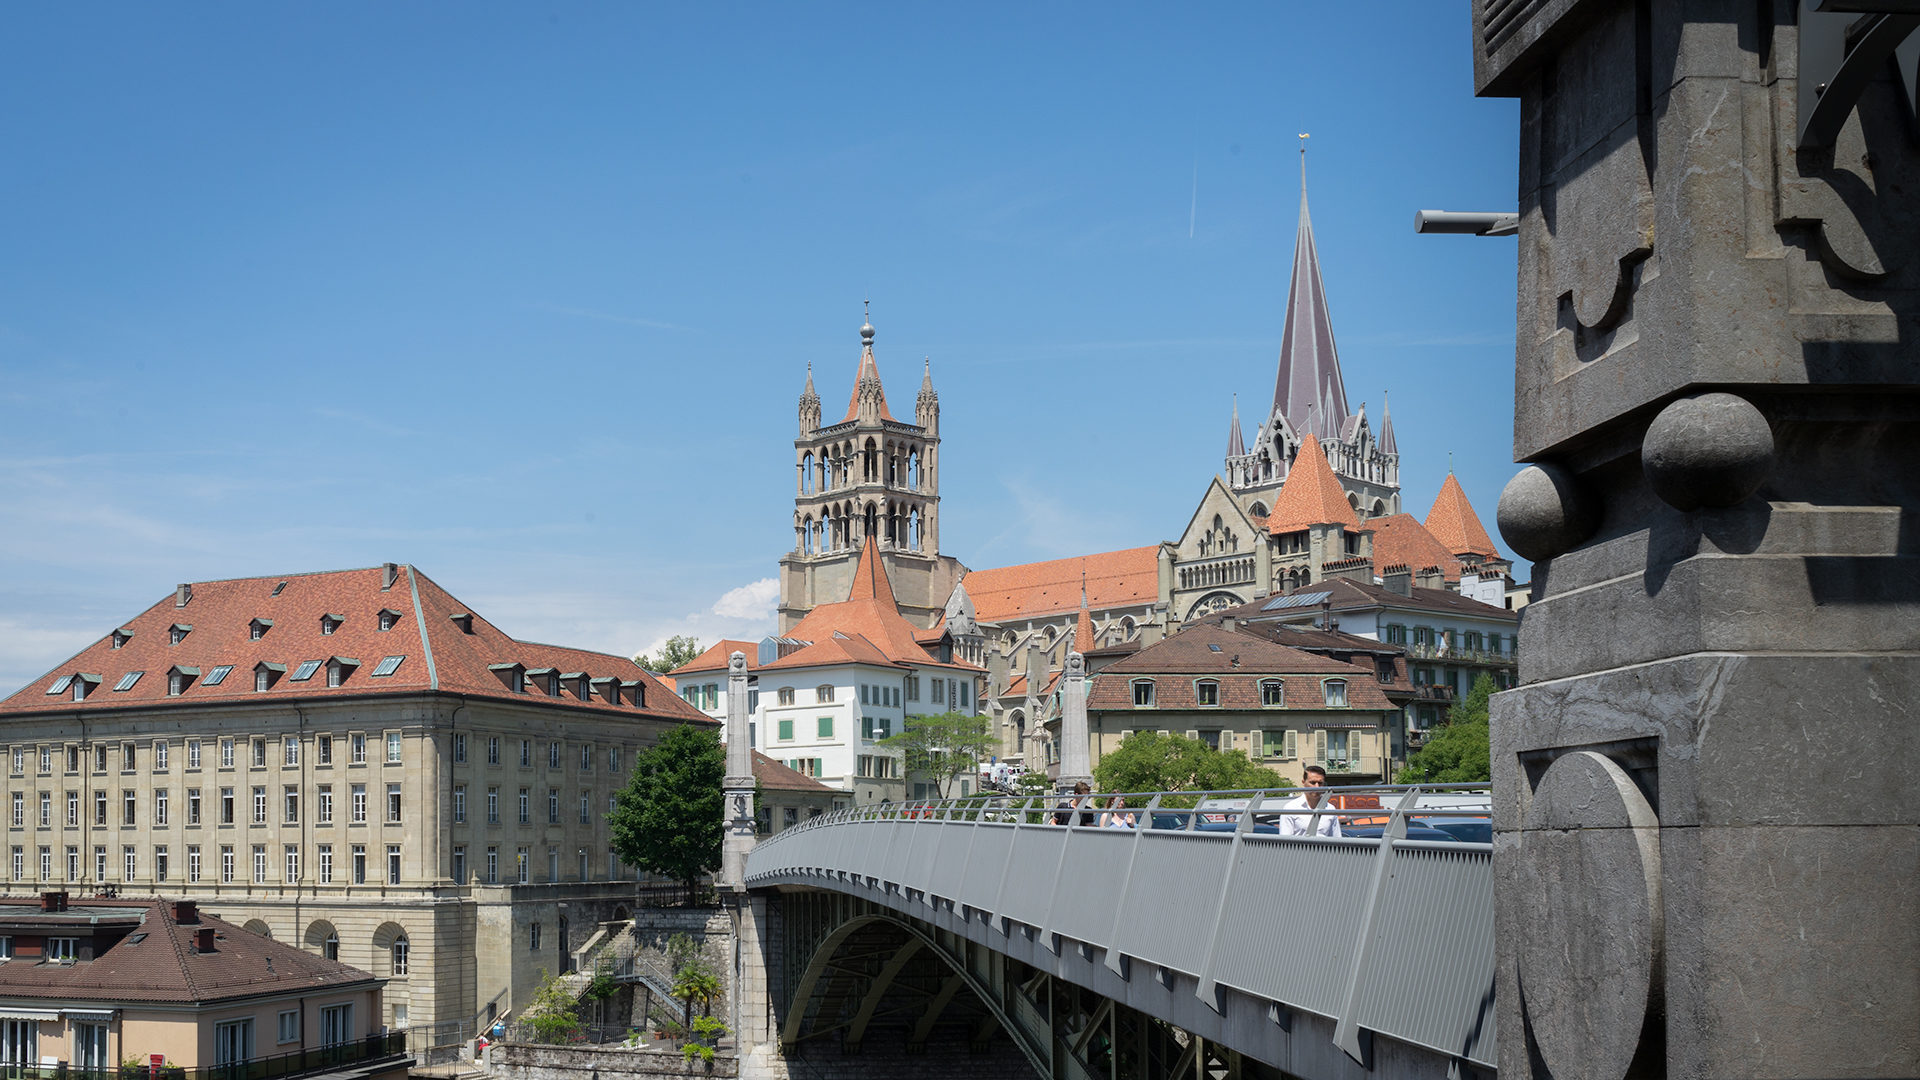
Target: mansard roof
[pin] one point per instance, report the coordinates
(1127, 578)
(1308, 389)
(434, 643)
(1453, 522)
(1312, 495)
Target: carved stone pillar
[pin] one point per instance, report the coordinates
(1075, 751)
(738, 783)
(1705, 824)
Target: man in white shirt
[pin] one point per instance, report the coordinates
(1311, 799)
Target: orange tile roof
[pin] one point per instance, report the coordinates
(774, 776)
(716, 655)
(1453, 522)
(867, 627)
(1083, 631)
(1400, 540)
(867, 367)
(434, 653)
(1312, 495)
(1031, 590)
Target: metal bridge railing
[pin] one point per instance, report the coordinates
(1204, 883)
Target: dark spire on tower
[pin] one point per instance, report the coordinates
(1309, 372)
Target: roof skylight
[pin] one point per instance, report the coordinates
(60, 685)
(305, 671)
(126, 681)
(277, 588)
(388, 665)
(217, 675)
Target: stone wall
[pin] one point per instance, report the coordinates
(525, 1061)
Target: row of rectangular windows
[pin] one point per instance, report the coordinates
(707, 695)
(1206, 692)
(387, 619)
(871, 727)
(290, 749)
(228, 866)
(1471, 640)
(290, 806)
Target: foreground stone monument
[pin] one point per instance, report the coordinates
(1707, 818)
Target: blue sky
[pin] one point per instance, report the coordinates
(525, 294)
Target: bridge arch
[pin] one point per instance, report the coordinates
(916, 941)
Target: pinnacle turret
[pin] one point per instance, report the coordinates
(1387, 443)
(809, 406)
(1236, 442)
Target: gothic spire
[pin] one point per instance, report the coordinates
(1387, 443)
(1309, 366)
(1236, 445)
(808, 396)
(867, 379)
(927, 394)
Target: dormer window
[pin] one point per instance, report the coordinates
(583, 688)
(553, 685)
(1272, 693)
(122, 636)
(179, 678)
(83, 685)
(1336, 690)
(1207, 692)
(388, 617)
(339, 668)
(513, 676)
(1143, 693)
(265, 675)
(177, 633)
(258, 628)
(637, 694)
(462, 620)
(330, 623)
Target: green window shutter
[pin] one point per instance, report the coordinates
(786, 731)
(826, 727)
(1292, 744)
(1320, 747)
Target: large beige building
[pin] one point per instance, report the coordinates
(353, 762)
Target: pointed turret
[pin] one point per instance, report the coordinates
(1236, 444)
(809, 406)
(1083, 627)
(1312, 494)
(1453, 522)
(867, 393)
(1309, 366)
(926, 407)
(1387, 443)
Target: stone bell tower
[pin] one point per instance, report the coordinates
(1707, 832)
(868, 474)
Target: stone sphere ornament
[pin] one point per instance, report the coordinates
(1707, 451)
(1546, 511)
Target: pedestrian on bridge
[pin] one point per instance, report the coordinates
(1063, 810)
(1117, 816)
(1313, 798)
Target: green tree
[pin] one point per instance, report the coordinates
(667, 820)
(1150, 761)
(944, 747)
(1458, 753)
(554, 1015)
(697, 983)
(678, 650)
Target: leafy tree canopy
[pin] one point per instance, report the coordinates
(678, 650)
(1150, 761)
(1457, 753)
(667, 820)
(944, 747)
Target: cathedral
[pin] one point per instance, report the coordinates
(1315, 496)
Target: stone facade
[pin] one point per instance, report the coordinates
(1705, 829)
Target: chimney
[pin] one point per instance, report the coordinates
(186, 912)
(181, 594)
(203, 939)
(53, 901)
(1431, 578)
(1397, 579)
(1326, 612)
(388, 574)
(1229, 623)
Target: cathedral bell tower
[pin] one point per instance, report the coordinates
(868, 475)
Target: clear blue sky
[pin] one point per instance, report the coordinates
(524, 294)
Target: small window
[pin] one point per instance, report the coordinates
(388, 618)
(393, 746)
(121, 637)
(290, 1026)
(1272, 692)
(783, 697)
(305, 670)
(126, 681)
(177, 633)
(258, 628)
(277, 589)
(823, 694)
(330, 623)
(1142, 694)
(786, 731)
(1207, 692)
(217, 675)
(1336, 693)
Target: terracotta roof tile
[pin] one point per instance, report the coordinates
(774, 776)
(1126, 578)
(441, 645)
(1453, 522)
(715, 656)
(867, 367)
(1401, 540)
(1312, 495)
(1240, 664)
(867, 627)
(1083, 631)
